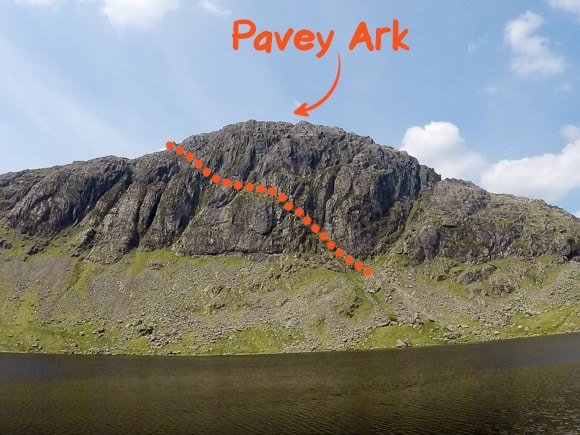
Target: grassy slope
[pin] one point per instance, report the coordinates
(218, 305)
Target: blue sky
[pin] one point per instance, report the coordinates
(489, 90)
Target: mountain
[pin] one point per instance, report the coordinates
(151, 256)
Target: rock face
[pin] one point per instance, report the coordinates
(154, 258)
(359, 192)
(368, 197)
(457, 219)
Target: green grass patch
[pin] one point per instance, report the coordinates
(555, 320)
(188, 345)
(259, 339)
(167, 262)
(138, 346)
(386, 337)
(4, 289)
(27, 312)
(364, 306)
(80, 275)
(398, 261)
(17, 243)
(380, 300)
(321, 330)
(21, 331)
(231, 261)
(139, 261)
(307, 276)
(204, 261)
(446, 284)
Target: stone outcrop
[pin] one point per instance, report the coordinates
(370, 198)
(358, 191)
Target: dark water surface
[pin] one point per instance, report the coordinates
(517, 386)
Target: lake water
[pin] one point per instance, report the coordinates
(517, 386)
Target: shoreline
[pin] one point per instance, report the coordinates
(323, 351)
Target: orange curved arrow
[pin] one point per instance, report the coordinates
(304, 108)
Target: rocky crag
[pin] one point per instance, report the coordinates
(148, 256)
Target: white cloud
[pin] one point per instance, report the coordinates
(532, 54)
(548, 176)
(141, 14)
(571, 6)
(440, 146)
(213, 8)
(570, 132)
(577, 214)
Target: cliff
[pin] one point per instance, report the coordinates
(154, 257)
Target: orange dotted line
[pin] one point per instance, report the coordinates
(281, 197)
